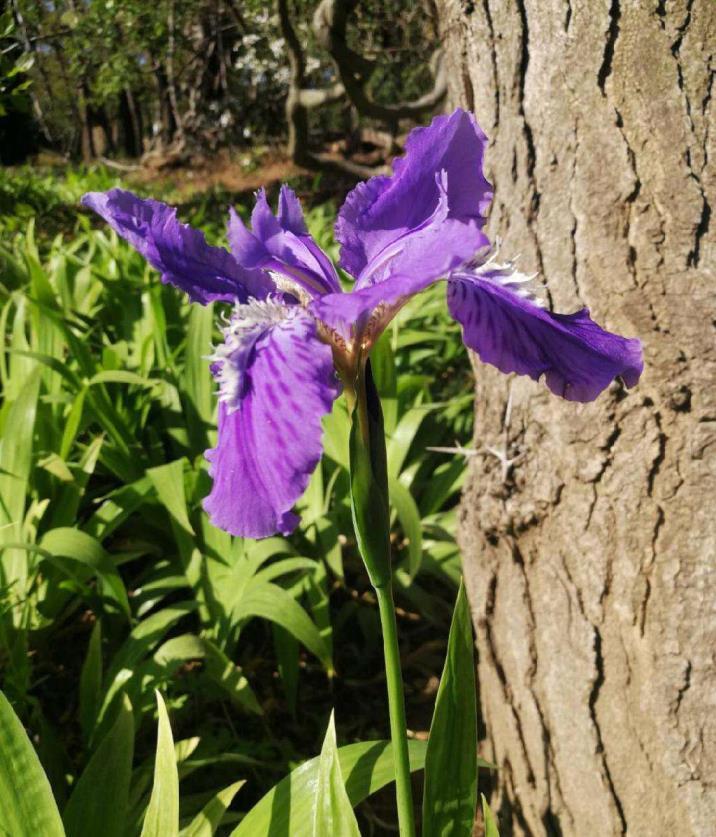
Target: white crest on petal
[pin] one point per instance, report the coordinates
(287, 285)
(484, 265)
(246, 324)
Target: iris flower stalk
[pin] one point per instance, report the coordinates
(295, 339)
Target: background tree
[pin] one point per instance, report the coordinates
(18, 133)
(589, 539)
(178, 78)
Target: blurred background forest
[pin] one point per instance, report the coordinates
(172, 79)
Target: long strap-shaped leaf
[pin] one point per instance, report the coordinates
(209, 818)
(332, 810)
(162, 817)
(489, 820)
(98, 804)
(451, 762)
(286, 808)
(27, 806)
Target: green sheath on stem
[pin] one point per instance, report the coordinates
(369, 481)
(371, 520)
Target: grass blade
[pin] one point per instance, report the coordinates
(450, 794)
(168, 481)
(209, 818)
(91, 682)
(286, 808)
(98, 804)
(162, 816)
(332, 811)
(488, 817)
(27, 806)
(218, 667)
(402, 501)
(72, 544)
(17, 431)
(268, 601)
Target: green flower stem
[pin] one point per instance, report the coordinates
(396, 708)
(371, 520)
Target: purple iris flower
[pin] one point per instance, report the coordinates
(294, 335)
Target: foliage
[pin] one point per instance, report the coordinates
(14, 66)
(125, 77)
(113, 584)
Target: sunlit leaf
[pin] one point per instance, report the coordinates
(209, 818)
(450, 796)
(162, 816)
(332, 814)
(488, 817)
(27, 806)
(98, 804)
(286, 808)
(168, 480)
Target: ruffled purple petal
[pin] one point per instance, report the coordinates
(427, 256)
(384, 209)
(179, 252)
(290, 214)
(282, 245)
(270, 434)
(577, 357)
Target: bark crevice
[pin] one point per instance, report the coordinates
(597, 684)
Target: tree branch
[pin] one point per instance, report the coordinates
(329, 23)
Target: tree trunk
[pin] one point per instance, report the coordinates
(131, 125)
(167, 120)
(589, 541)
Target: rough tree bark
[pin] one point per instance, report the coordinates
(589, 543)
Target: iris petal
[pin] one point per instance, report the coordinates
(426, 257)
(577, 357)
(290, 214)
(179, 252)
(282, 245)
(270, 433)
(384, 209)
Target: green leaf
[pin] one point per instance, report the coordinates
(450, 796)
(281, 568)
(16, 435)
(403, 437)
(286, 808)
(162, 816)
(117, 507)
(268, 601)
(91, 682)
(336, 430)
(402, 501)
(209, 818)
(287, 660)
(198, 385)
(332, 811)
(98, 804)
(382, 361)
(227, 675)
(218, 667)
(168, 480)
(72, 423)
(369, 483)
(318, 595)
(121, 376)
(490, 824)
(137, 645)
(75, 545)
(27, 806)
